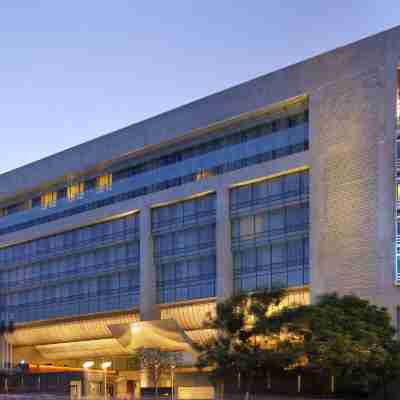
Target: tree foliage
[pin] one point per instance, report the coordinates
(242, 347)
(346, 337)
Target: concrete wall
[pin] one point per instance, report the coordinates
(352, 182)
(352, 127)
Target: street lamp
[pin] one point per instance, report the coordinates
(104, 366)
(86, 383)
(173, 366)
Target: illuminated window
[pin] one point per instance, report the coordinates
(76, 191)
(398, 191)
(48, 200)
(202, 175)
(104, 183)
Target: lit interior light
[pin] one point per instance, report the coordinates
(88, 364)
(106, 364)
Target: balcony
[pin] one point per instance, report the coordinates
(128, 235)
(184, 222)
(224, 160)
(269, 236)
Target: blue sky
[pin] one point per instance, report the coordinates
(73, 70)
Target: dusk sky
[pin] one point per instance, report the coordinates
(73, 70)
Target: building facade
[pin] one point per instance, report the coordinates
(288, 180)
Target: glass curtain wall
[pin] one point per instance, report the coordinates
(83, 271)
(284, 135)
(270, 233)
(184, 249)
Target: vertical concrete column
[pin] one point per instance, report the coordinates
(148, 295)
(2, 351)
(6, 353)
(224, 284)
(11, 355)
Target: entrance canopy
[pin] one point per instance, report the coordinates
(164, 334)
(123, 338)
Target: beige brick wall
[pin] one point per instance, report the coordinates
(352, 201)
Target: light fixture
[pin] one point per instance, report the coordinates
(106, 364)
(88, 364)
(135, 327)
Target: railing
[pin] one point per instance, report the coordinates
(58, 307)
(196, 290)
(80, 246)
(184, 220)
(129, 264)
(182, 251)
(269, 235)
(235, 157)
(261, 268)
(185, 282)
(269, 201)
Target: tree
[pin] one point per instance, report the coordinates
(156, 362)
(243, 347)
(345, 337)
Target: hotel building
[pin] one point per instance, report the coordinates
(288, 180)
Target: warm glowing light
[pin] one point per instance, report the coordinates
(75, 191)
(104, 183)
(135, 327)
(88, 364)
(202, 175)
(48, 200)
(106, 364)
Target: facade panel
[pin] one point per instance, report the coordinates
(283, 181)
(88, 270)
(184, 251)
(270, 240)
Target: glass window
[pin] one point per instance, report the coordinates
(206, 234)
(292, 183)
(295, 215)
(275, 186)
(305, 177)
(189, 208)
(246, 226)
(75, 191)
(277, 220)
(263, 256)
(248, 259)
(243, 194)
(260, 190)
(295, 277)
(104, 183)
(261, 223)
(191, 238)
(295, 251)
(279, 280)
(278, 255)
(48, 200)
(180, 240)
(398, 191)
(249, 282)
